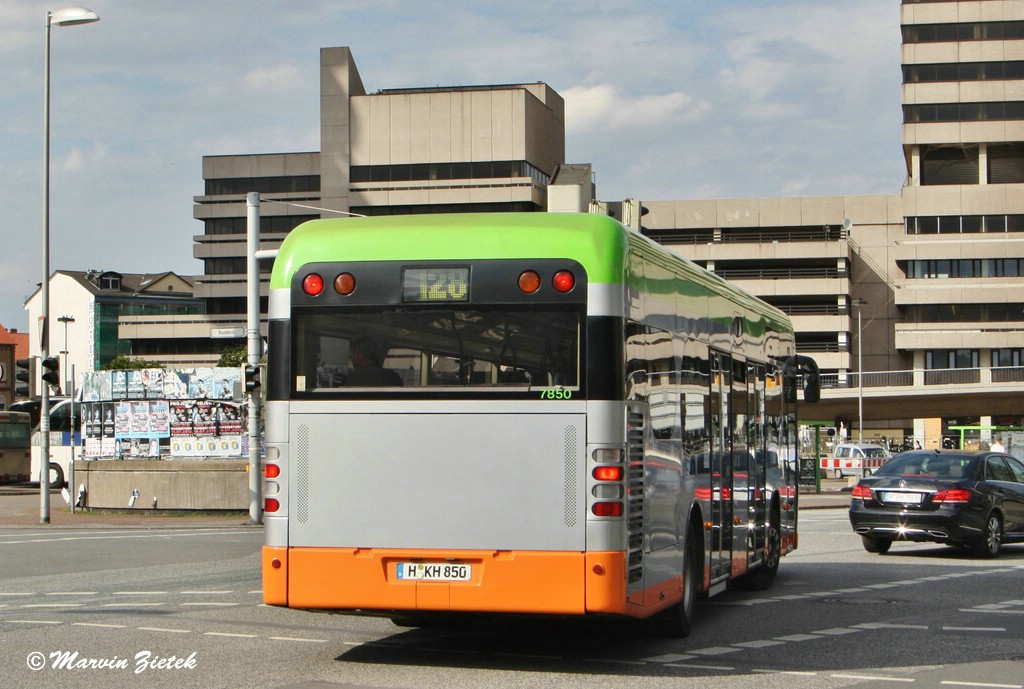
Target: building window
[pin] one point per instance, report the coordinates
(232, 265)
(110, 281)
(286, 184)
(445, 171)
(966, 31)
(963, 71)
(965, 313)
(513, 207)
(939, 359)
(963, 224)
(963, 112)
(965, 268)
(271, 224)
(1008, 357)
(950, 165)
(1006, 163)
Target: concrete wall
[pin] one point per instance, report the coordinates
(175, 484)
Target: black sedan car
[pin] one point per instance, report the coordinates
(954, 497)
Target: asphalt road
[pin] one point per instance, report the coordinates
(186, 599)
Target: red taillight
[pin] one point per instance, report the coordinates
(271, 471)
(563, 281)
(608, 473)
(952, 495)
(271, 505)
(607, 509)
(345, 284)
(313, 284)
(529, 281)
(861, 492)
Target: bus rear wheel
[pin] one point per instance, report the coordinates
(677, 621)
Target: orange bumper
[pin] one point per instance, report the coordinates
(570, 583)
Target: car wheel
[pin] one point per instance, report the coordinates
(991, 538)
(837, 473)
(876, 545)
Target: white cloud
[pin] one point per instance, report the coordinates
(605, 107)
(282, 78)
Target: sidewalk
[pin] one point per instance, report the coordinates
(19, 506)
(834, 495)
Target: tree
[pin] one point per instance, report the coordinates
(123, 361)
(234, 356)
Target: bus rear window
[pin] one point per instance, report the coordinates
(415, 348)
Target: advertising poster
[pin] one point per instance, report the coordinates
(159, 419)
(152, 383)
(139, 420)
(181, 417)
(122, 420)
(127, 413)
(135, 385)
(203, 423)
(119, 385)
(176, 384)
(201, 383)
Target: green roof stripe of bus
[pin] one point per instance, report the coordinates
(598, 242)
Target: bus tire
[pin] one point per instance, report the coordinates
(56, 476)
(677, 621)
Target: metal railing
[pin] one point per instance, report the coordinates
(944, 376)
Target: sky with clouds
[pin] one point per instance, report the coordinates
(668, 99)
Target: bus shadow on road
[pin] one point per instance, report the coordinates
(818, 618)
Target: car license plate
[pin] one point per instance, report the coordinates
(434, 571)
(904, 498)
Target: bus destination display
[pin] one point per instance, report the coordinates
(435, 284)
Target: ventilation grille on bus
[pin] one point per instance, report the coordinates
(302, 474)
(571, 472)
(635, 494)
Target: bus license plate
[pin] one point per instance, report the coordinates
(905, 498)
(434, 571)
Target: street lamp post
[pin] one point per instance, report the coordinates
(859, 303)
(66, 368)
(68, 16)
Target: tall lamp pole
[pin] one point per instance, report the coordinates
(859, 303)
(66, 368)
(69, 16)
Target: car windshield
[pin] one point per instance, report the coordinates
(929, 465)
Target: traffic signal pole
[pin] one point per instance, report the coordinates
(252, 201)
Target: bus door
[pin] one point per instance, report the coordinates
(720, 538)
(763, 458)
(742, 465)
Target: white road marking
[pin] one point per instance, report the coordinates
(238, 636)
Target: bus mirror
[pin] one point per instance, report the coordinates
(812, 387)
(805, 370)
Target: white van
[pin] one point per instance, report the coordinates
(854, 459)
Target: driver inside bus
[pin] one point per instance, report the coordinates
(366, 367)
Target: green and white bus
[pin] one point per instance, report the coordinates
(520, 413)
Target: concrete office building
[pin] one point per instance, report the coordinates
(418, 150)
(928, 278)
(938, 270)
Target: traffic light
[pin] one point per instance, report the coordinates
(51, 371)
(252, 379)
(25, 374)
